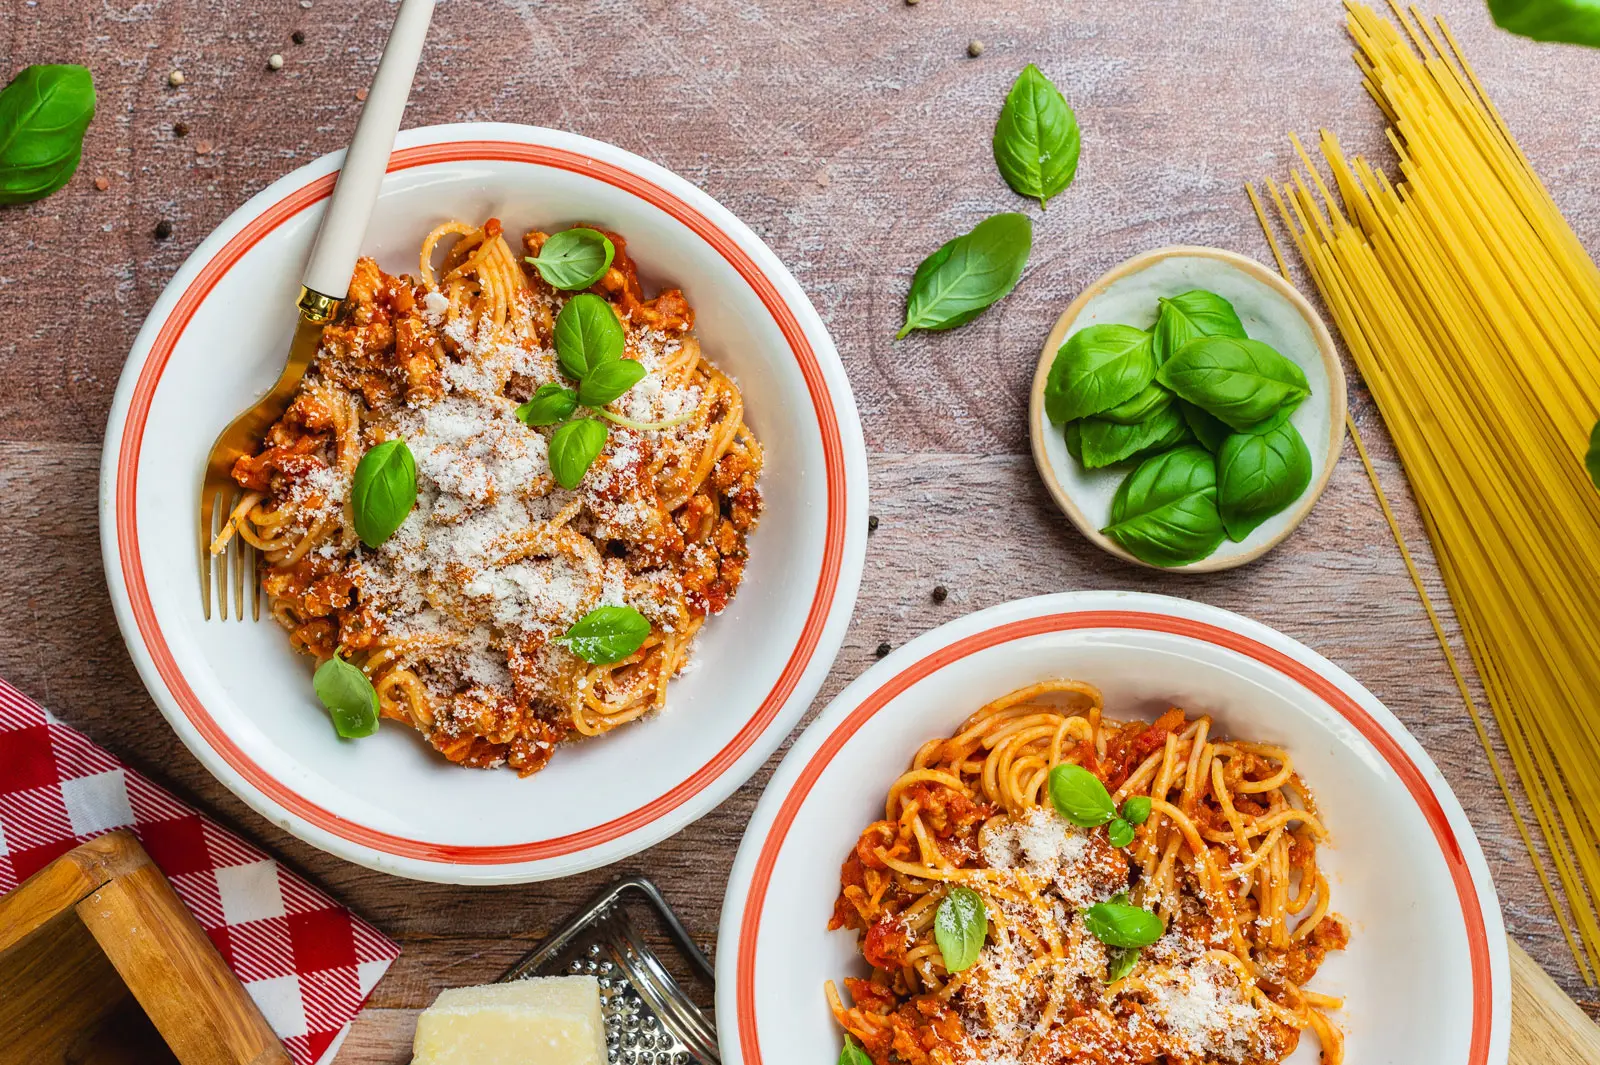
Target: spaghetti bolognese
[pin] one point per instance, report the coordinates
(460, 618)
(1185, 938)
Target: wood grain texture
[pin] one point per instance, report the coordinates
(853, 136)
(1546, 1028)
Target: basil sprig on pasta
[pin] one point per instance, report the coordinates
(383, 491)
(852, 1054)
(1117, 924)
(960, 927)
(607, 634)
(348, 696)
(574, 258)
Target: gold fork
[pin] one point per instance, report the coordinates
(226, 558)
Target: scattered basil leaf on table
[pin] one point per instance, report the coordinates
(852, 1054)
(1151, 400)
(1116, 924)
(587, 334)
(1592, 459)
(551, 403)
(1564, 21)
(1136, 811)
(1072, 432)
(1107, 443)
(1165, 512)
(1196, 313)
(607, 634)
(1258, 475)
(607, 381)
(350, 698)
(1119, 832)
(964, 277)
(573, 449)
(1036, 139)
(44, 112)
(1207, 428)
(1096, 369)
(1242, 382)
(960, 926)
(1120, 962)
(574, 258)
(383, 491)
(1079, 797)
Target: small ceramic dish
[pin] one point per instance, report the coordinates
(1272, 312)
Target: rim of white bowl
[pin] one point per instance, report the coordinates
(843, 556)
(738, 931)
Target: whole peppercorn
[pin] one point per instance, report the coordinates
(872, 523)
(975, 49)
(940, 593)
(163, 229)
(883, 649)
(298, 37)
(180, 129)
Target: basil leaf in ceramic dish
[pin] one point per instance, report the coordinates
(1096, 369)
(852, 1054)
(1116, 924)
(1206, 427)
(608, 380)
(551, 403)
(1564, 21)
(383, 491)
(574, 258)
(1072, 432)
(1242, 382)
(960, 926)
(587, 333)
(573, 449)
(1107, 443)
(964, 277)
(1079, 796)
(1258, 475)
(348, 696)
(44, 112)
(1165, 512)
(607, 634)
(1036, 139)
(1196, 313)
(1151, 400)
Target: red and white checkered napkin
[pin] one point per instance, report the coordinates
(307, 961)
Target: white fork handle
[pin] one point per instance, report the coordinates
(338, 245)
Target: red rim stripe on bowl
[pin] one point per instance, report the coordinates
(1305, 676)
(128, 550)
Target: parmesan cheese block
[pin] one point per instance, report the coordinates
(552, 1020)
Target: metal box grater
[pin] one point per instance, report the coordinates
(649, 1018)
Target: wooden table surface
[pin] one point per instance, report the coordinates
(853, 135)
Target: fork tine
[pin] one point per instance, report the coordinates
(255, 582)
(207, 513)
(236, 546)
(225, 570)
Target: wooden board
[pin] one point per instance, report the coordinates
(853, 136)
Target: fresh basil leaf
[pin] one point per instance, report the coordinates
(1120, 962)
(1165, 512)
(1258, 475)
(44, 112)
(964, 277)
(607, 381)
(1119, 832)
(1206, 427)
(573, 449)
(607, 634)
(1036, 138)
(1072, 432)
(1242, 382)
(1196, 313)
(350, 698)
(1117, 924)
(1136, 811)
(1151, 400)
(1565, 21)
(852, 1054)
(1079, 797)
(551, 403)
(574, 258)
(1592, 459)
(1107, 443)
(960, 926)
(383, 491)
(587, 334)
(1096, 369)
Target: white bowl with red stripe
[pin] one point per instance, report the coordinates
(1426, 980)
(242, 701)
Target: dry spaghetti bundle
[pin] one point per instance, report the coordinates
(1473, 313)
